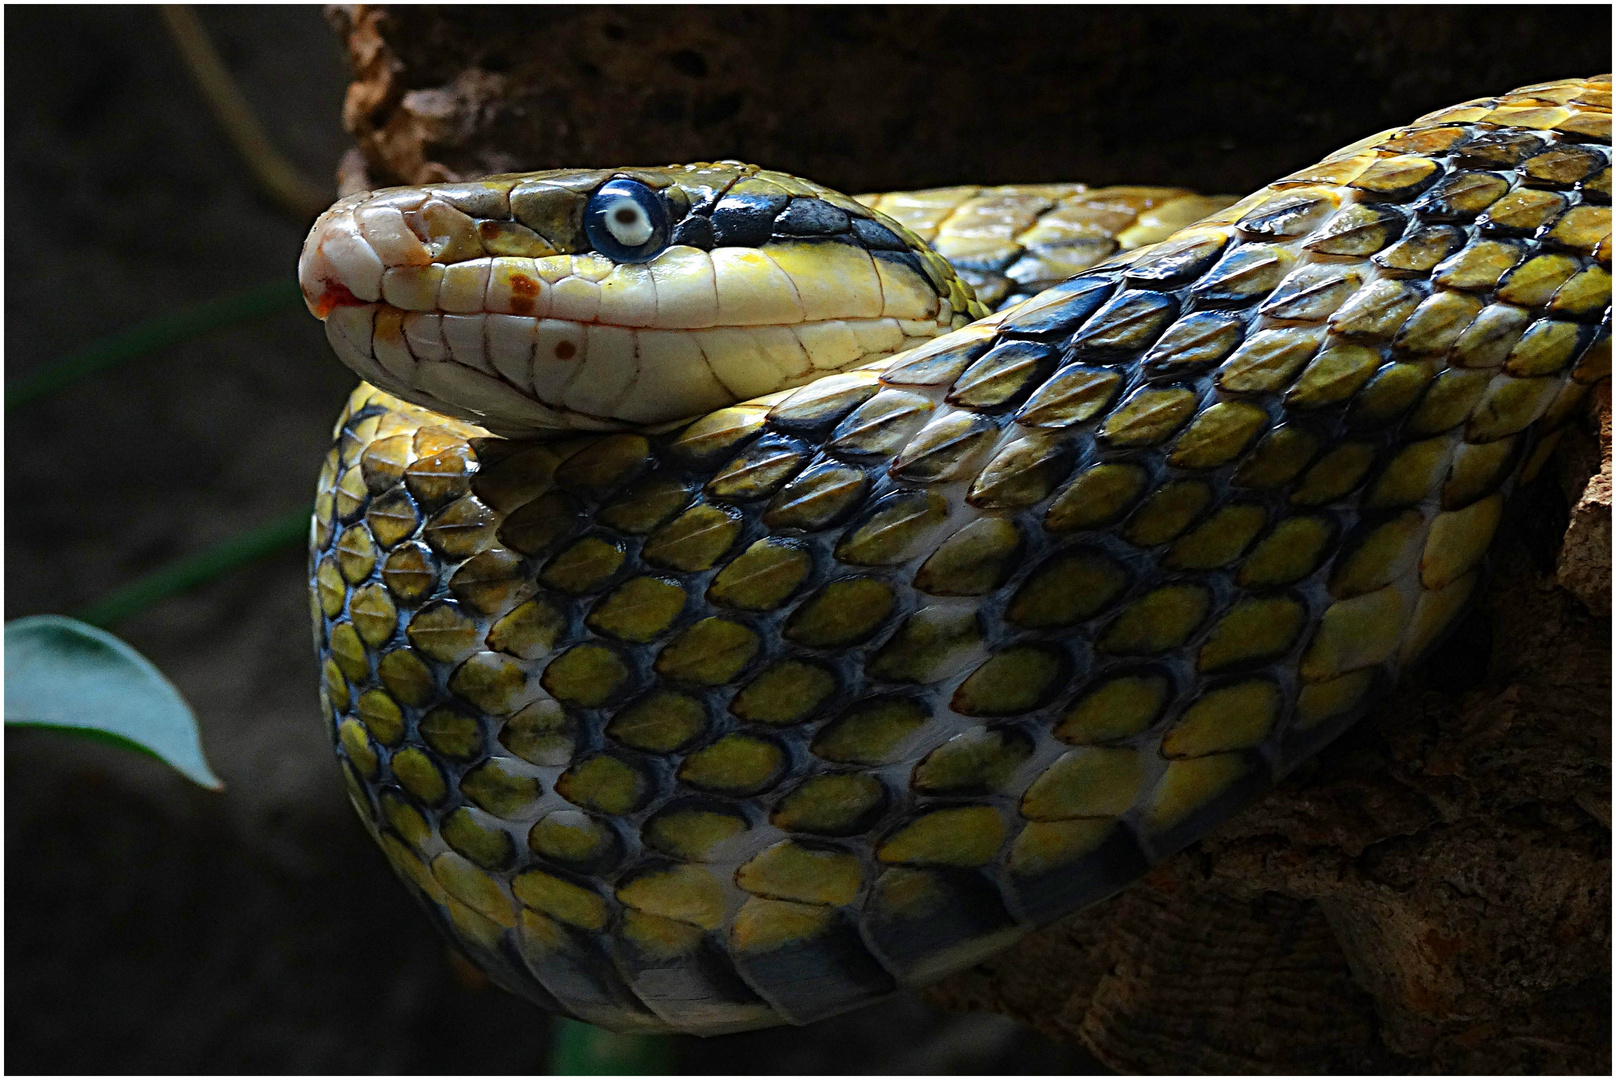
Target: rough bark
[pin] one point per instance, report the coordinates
(1433, 892)
(883, 98)
(1584, 565)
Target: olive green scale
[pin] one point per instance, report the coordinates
(844, 690)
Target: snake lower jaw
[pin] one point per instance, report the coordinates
(525, 376)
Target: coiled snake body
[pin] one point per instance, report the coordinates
(712, 725)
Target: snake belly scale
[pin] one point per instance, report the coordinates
(972, 616)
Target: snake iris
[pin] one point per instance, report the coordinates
(706, 726)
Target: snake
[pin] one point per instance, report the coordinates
(737, 602)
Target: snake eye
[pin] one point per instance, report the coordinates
(626, 221)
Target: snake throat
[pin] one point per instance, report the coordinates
(840, 689)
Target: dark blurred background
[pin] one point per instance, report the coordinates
(152, 927)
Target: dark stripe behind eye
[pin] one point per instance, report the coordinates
(694, 231)
(877, 237)
(745, 220)
(811, 217)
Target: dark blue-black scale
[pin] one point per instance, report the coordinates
(997, 263)
(746, 220)
(1138, 315)
(807, 978)
(694, 231)
(1075, 300)
(1174, 267)
(812, 217)
(876, 236)
(1287, 219)
(969, 907)
(1005, 355)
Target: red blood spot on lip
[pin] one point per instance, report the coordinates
(335, 295)
(565, 350)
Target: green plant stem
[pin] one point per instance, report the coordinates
(198, 569)
(275, 175)
(579, 1049)
(159, 333)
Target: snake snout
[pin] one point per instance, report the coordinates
(337, 267)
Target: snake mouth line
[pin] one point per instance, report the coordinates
(522, 373)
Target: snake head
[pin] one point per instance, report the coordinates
(617, 299)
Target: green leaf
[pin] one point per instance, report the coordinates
(68, 675)
(579, 1049)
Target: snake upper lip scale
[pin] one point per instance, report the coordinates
(737, 601)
